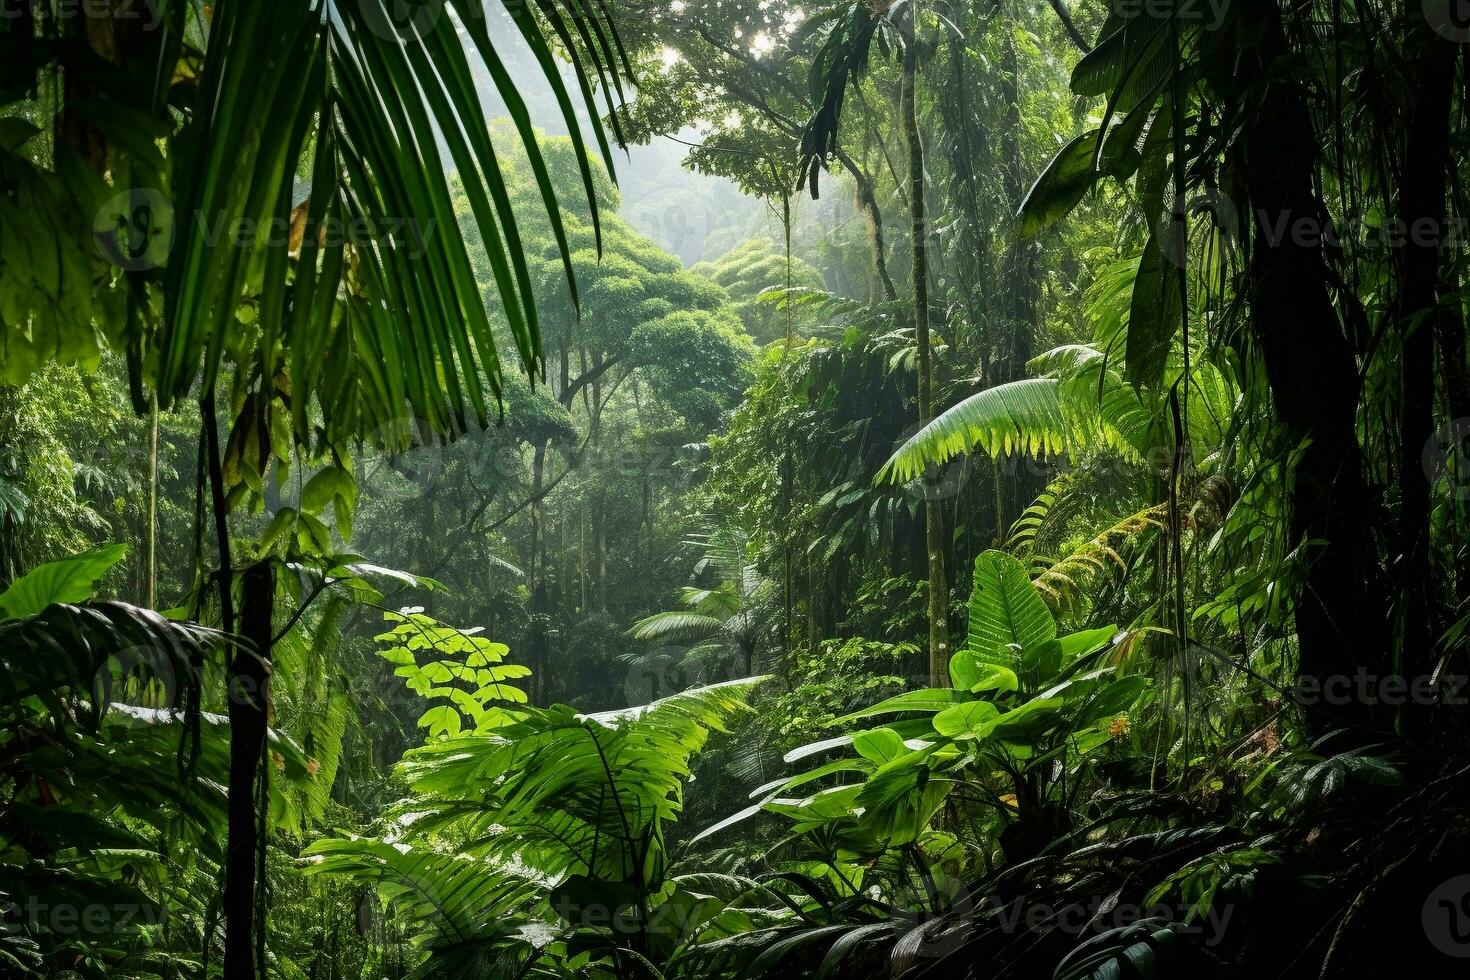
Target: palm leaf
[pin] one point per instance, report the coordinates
(676, 625)
(1020, 417)
(391, 324)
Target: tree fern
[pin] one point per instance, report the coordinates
(541, 816)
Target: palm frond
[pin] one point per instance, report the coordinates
(1020, 417)
(676, 625)
(392, 323)
(1064, 582)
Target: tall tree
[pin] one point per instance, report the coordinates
(934, 540)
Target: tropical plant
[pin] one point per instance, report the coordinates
(729, 617)
(115, 802)
(544, 814)
(1025, 703)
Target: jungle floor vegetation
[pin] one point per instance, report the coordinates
(655, 489)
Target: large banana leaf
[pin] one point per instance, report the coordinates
(1079, 406)
(68, 580)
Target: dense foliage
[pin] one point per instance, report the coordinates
(1000, 513)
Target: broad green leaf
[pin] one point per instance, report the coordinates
(975, 719)
(878, 745)
(70, 580)
(1006, 612)
(1081, 644)
(929, 699)
(968, 673)
(1155, 314)
(1061, 186)
(1029, 718)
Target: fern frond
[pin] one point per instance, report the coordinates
(1023, 531)
(1065, 581)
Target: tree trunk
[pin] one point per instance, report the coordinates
(1019, 279)
(538, 651)
(933, 515)
(150, 538)
(867, 203)
(1422, 201)
(249, 696)
(1313, 377)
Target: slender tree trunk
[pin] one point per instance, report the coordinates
(601, 543)
(249, 695)
(150, 538)
(1019, 277)
(867, 203)
(933, 514)
(1450, 340)
(538, 651)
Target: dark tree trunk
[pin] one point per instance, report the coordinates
(1313, 375)
(1422, 201)
(867, 203)
(249, 694)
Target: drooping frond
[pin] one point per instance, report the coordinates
(457, 897)
(1020, 417)
(567, 793)
(676, 626)
(378, 108)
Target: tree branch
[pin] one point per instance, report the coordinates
(1060, 7)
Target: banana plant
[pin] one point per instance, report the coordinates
(1024, 703)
